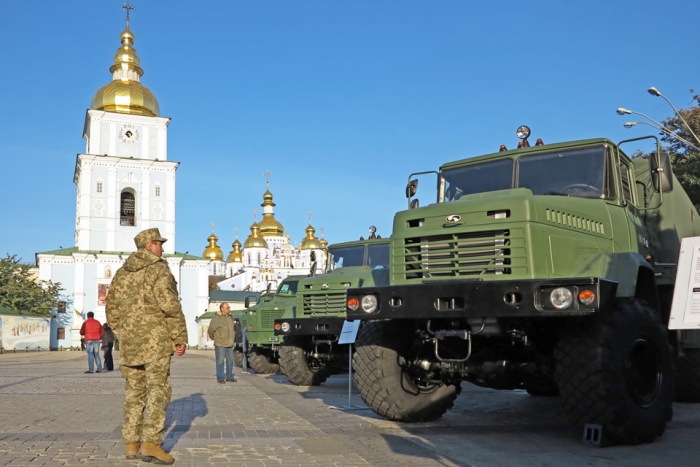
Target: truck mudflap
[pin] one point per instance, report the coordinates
(479, 298)
(316, 325)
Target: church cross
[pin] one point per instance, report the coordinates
(267, 175)
(236, 229)
(322, 229)
(309, 214)
(255, 215)
(212, 228)
(127, 6)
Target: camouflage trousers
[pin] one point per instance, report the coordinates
(147, 387)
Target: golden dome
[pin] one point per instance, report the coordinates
(125, 94)
(269, 226)
(236, 256)
(212, 251)
(310, 242)
(324, 243)
(254, 240)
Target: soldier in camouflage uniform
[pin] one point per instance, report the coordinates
(144, 311)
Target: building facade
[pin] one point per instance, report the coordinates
(124, 184)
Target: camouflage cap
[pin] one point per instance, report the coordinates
(148, 235)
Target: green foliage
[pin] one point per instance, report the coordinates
(686, 161)
(20, 292)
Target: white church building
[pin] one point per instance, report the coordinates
(124, 184)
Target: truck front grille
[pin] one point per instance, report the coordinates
(268, 317)
(468, 254)
(324, 303)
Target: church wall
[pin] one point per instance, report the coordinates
(194, 291)
(65, 274)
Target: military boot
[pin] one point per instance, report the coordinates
(132, 450)
(154, 453)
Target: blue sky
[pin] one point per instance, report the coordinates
(341, 100)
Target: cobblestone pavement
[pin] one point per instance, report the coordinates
(53, 414)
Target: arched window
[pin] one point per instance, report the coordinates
(127, 209)
(61, 333)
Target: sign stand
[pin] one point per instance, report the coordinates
(348, 336)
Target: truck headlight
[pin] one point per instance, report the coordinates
(285, 327)
(561, 298)
(369, 303)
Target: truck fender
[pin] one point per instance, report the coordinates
(633, 274)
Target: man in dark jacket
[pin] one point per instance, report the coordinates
(221, 330)
(92, 330)
(143, 308)
(107, 344)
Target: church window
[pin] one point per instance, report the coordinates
(61, 307)
(127, 209)
(258, 258)
(157, 191)
(61, 333)
(98, 187)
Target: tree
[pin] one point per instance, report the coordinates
(21, 293)
(686, 161)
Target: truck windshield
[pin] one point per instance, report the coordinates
(378, 256)
(572, 172)
(347, 256)
(288, 288)
(577, 172)
(477, 178)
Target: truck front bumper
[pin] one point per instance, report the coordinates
(316, 325)
(478, 298)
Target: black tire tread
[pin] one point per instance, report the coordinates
(591, 383)
(378, 376)
(294, 364)
(259, 360)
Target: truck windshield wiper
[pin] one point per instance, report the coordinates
(556, 193)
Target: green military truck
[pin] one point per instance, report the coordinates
(548, 268)
(309, 352)
(258, 321)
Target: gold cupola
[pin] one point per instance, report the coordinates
(310, 242)
(125, 94)
(269, 226)
(212, 251)
(236, 256)
(255, 240)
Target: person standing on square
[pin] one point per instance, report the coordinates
(221, 330)
(107, 344)
(93, 332)
(144, 311)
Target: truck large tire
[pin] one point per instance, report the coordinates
(259, 360)
(296, 364)
(688, 376)
(616, 370)
(238, 357)
(385, 386)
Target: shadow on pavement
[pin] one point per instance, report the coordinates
(181, 413)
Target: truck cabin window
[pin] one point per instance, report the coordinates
(571, 172)
(288, 288)
(346, 257)
(477, 178)
(378, 256)
(580, 172)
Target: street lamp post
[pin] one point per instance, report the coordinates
(655, 92)
(665, 131)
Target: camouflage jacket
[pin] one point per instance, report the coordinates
(143, 309)
(222, 330)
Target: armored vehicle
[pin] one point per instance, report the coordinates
(546, 268)
(309, 352)
(258, 321)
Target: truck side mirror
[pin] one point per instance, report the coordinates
(661, 176)
(412, 188)
(312, 270)
(414, 204)
(247, 302)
